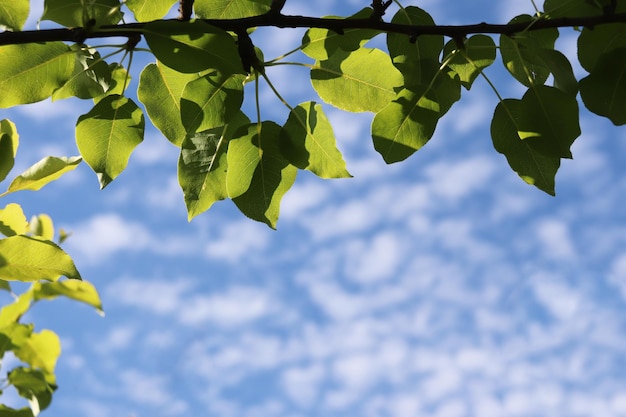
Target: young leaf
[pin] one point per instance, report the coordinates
(31, 72)
(592, 44)
(78, 13)
(12, 220)
(160, 89)
(31, 259)
(199, 48)
(9, 141)
(532, 166)
(41, 351)
(10, 315)
(108, 134)
(405, 124)
(230, 9)
(308, 142)
(91, 77)
(81, 291)
(147, 10)
(41, 226)
(520, 53)
(477, 53)
(43, 172)
(548, 120)
(209, 101)
(418, 60)
(258, 175)
(13, 14)
(604, 90)
(364, 80)
(321, 44)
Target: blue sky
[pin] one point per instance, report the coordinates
(441, 286)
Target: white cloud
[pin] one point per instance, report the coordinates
(559, 299)
(238, 239)
(156, 295)
(375, 260)
(458, 179)
(105, 234)
(554, 236)
(302, 384)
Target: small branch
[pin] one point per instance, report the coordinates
(185, 10)
(337, 25)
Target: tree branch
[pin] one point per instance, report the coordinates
(338, 25)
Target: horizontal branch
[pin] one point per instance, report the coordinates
(338, 25)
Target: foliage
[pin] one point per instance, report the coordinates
(194, 90)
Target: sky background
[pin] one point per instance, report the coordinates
(441, 286)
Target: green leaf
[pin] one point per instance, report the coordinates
(406, 124)
(9, 317)
(12, 220)
(12, 334)
(81, 291)
(592, 44)
(477, 53)
(308, 142)
(520, 53)
(548, 119)
(202, 166)
(230, 9)
(41, 351)
(210, 101)
(4, 285)
(258, 175)
(321, 44)
(43, 172)
(108, 134)
(9, 141)
(364, 80)
(91, 77)
(79, 13)
(31, 259)
(11, 412)
(561, 69)
(31, 72)
(199, 48)
(119, 81)
(160, 90)
(41, 226)
(13, 14)
(32, 385)
(532, 166)
(604, 90)
(571, 8)
(147, 10)
(418, 60)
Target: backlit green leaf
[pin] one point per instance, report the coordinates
(202, 166)
(31, 72)
(321, 43)
(308, 142)
(477, 53)
(13, 14)
(31, 259)
(11, 412)
(209, 101)
(108, 134)
(604, 90)
(42, 226)
(571, 8)
(91, 77)
(160, 89)
(230, 9)
(199, 48)
(532, 166)
(147, 10)
(12, 220)
(78, 13)
(9, 141)
(418, 60)
(43, 172)
(548, 119)
(9, 317)
(364, 80)
(520, 53)
(41, 351)
(258, 175)
(32, 385)
(592, 44)
(82, 291)
(405, 124)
